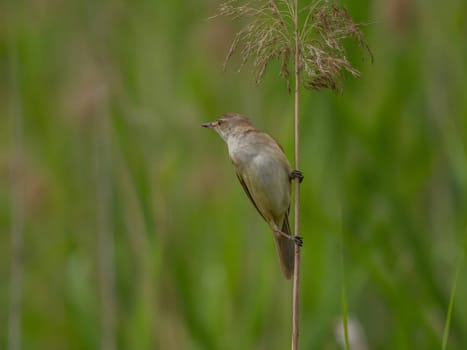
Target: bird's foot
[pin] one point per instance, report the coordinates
(298, 240)
(296, 174)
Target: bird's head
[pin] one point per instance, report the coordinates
(230, 125)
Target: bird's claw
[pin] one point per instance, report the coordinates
(296, 174)
(298, 240)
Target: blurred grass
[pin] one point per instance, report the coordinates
(195, 268)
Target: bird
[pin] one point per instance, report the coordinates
(265, 175)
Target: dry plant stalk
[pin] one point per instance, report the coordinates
(269, 34)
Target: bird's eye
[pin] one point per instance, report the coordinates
(220, 121)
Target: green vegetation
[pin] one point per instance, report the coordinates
(134, 229)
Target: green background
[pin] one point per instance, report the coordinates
(135, 232)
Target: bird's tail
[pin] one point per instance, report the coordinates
(286, 249)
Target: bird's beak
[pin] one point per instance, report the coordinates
(209, 125)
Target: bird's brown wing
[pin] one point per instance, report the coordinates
(285, 247)
(247, 191)
(286, 224)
